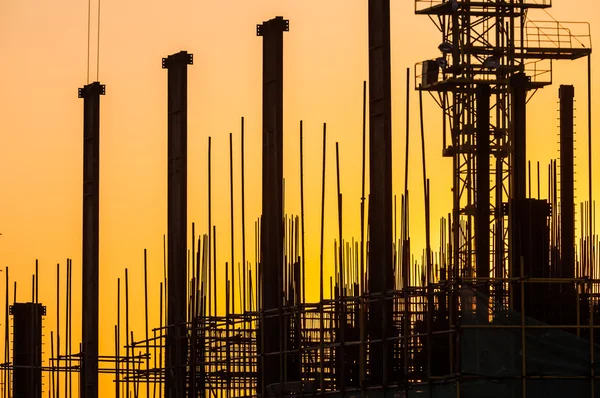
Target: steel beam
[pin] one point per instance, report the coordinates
(271, 255)
(380, 267)
(91, 210)
(176, 344)
(567, 175)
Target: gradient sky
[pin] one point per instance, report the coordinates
(44, 57)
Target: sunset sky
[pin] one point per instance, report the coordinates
(44, 57)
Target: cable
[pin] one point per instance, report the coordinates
(98, 53)
(88, 43)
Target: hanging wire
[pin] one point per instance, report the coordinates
(98, 49)
(88, 42)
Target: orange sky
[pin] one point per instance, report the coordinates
(44, 56)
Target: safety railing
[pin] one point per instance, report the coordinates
(557, 35)
(430, 75)
(434, 75)
(539, 71)
(423, 6)
(421, 76)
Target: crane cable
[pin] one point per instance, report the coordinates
(88, 43)
(98, 49)
(89, 40)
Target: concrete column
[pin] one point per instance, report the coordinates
(176, 344)
(91, 210)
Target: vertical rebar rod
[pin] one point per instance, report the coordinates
(188, 287)
(430, 281)
(243, 277)
(67, 330)
(118, 343)
(194, 273)
(136, 381)
(194, 276)
(362, 243)
(195, 308)
(192, 361)
(58, 328)
(302, 212)
(200, 289)
(302, 248)
(243, 212)
(395, 232)
(407, 131)
(160, 351)
(4, 370)
(214, 227)
(342, 323)
(231, 321)
(227, 332)
(592, 347)
(164, 283)
(590, 169)
(117, 361)
(406, 244)
(322, 330)
(155, 369)
(127, 375)
(210, 227)
(70, 324)
(231, 215)
(339, 202)
(37, 281)
(538, 180)
(51, 356)
(426, 191)
(529, 178)
(146, 319)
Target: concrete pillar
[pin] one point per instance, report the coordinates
(91, 210)
(176, 344)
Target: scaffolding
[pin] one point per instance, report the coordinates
(499, 310)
